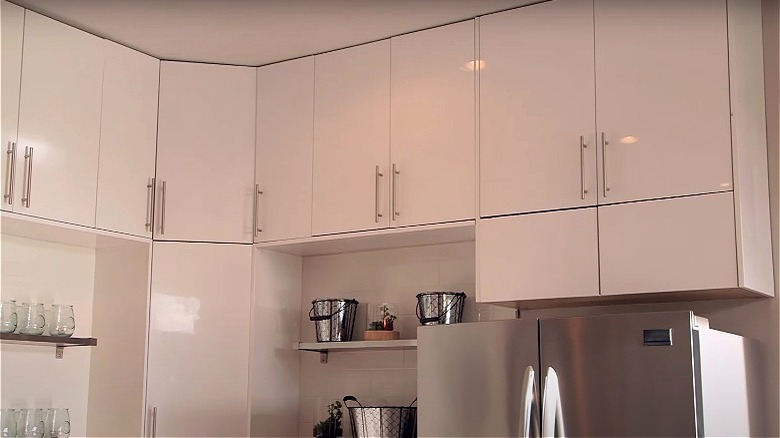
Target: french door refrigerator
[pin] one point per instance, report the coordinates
(648, 374)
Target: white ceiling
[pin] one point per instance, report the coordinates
(255, 32)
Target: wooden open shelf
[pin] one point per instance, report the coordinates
(59, 342)
(325, 347)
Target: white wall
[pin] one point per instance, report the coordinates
(30, 375)
(396, 276)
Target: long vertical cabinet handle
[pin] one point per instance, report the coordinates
(552, 412)
(28, 167)
(149, 203)
(529, 426)
(154, 422)
(10, 172)
(604, 144)
(377, 206)
(396, 175)
(258, 223)
(162, 209)
(583, 192)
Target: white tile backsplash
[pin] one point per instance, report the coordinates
(395, 276)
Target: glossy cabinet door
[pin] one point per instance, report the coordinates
(128, 141)
(537, 108)
(12, 28)
(668, 245)
(432, 150)
(662, 87)
(538, 256)
(351, 176)
(285, 129)
(205, 153)
(198, 363)
(59, 121)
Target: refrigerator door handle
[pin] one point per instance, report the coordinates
(552, 414)
(529, 428)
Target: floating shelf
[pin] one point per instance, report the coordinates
(325, 347)
(58, 342)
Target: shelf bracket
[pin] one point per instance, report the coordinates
(59, 351)
(323, 357)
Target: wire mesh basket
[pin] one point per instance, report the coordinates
(435, 308)
(334, 319)
(382, 421)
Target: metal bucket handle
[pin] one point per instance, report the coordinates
(313, 317)
(362, 412)
(435, 318)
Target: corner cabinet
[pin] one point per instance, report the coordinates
(59, 122)
(205, 153)
(285, 130)
(128, 141)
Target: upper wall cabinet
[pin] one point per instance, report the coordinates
(351, 176)
(662, 87)
(128, 141)
(205, 153)
(59, 122)
(12, 29)
(285, 111)
(537, 108)
(433, 125)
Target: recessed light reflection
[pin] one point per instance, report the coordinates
(725, 185)
(629, 139)
(479, 64)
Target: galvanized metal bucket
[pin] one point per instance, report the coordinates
(382, 421)
(434, 308)
(334, 319)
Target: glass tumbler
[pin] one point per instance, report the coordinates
(31, 319)
(31, 424)
(62, 321)
(7, 423)
(8, 317)
(58, 423)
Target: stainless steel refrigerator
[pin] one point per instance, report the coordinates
(648, 374)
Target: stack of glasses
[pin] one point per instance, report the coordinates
(35, 423)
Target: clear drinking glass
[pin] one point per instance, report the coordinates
(31, 319)
(8, 316)
(58, 423)
(7, 423)
(31, 424)
(62, 320)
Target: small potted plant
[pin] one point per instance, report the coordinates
(331, 426)
(380, 328)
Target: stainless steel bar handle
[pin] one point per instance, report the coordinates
(28, 167)
(10, 172)
(582, 167)
(154, 421)
(552, 412)
(396, 175)
(149, 203)
(377, 206)
(258, 222)
(529, 426)
(604, 144)
(162, 209)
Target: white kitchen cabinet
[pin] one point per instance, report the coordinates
(59, 122)
(662, 87)
(198, 360)
(538, 256)
(285, 130)
(668, 245)
(128, 141)
(12, 28)
(351, 170)
(537, 108)
(205, 153)
(432, 146)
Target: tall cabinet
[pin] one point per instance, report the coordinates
(198, 359)
(205, 153)
(12, 28)
(59, 122)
